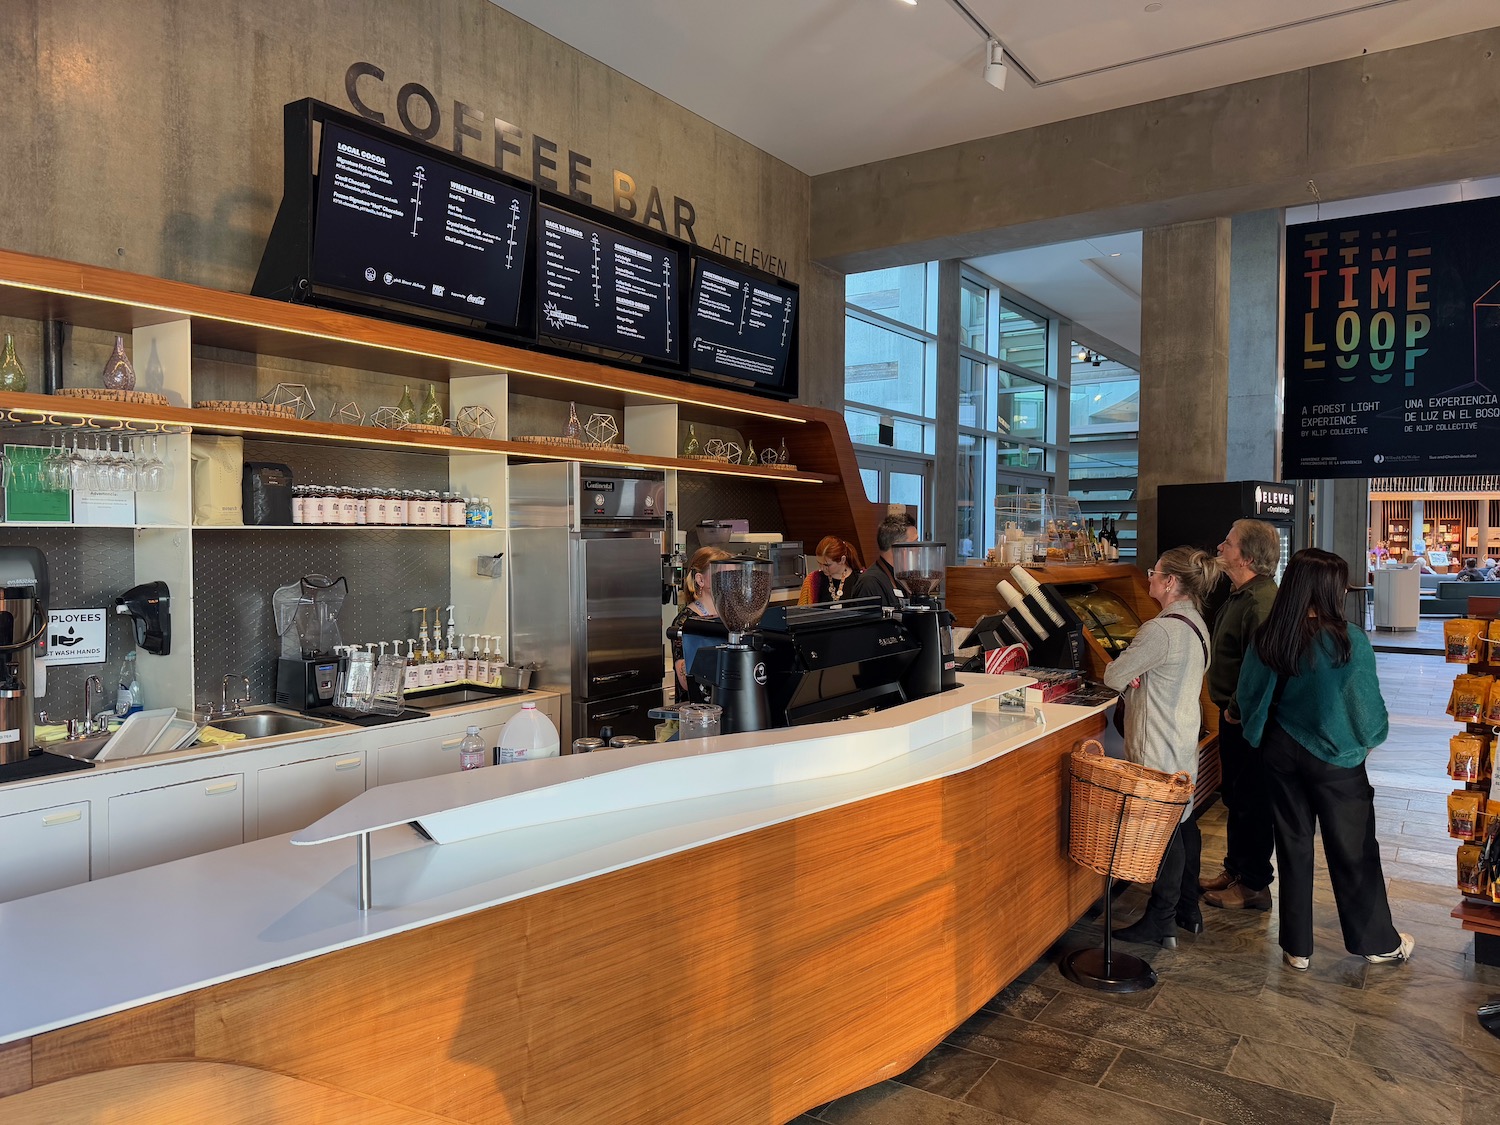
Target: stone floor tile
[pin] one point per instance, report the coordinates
(948, 1071)
(1442, 1060)
(1021, 999)
(1047, 1099)
(1204, 1046)
(1211, 1094)
(1313, 1022)
(1362, 1093)
(1036, 1046)
(891, 1103)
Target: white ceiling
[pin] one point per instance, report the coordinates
(827, 84)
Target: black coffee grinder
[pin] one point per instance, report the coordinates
(735, 671)
(921, 568)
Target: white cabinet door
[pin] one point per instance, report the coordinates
(43, 850)
(294, 795)
(423, 757)
(164, 824)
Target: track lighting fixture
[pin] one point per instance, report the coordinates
(994, 65)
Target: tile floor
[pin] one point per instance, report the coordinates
(1229, 1034)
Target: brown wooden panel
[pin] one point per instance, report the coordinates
(15, 1067)
(190, 1093)
(744, 981)
(163, 1030)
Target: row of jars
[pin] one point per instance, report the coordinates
(388, 507)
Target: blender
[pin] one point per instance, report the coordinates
(306, 614)
(921, 568)
(735, 671)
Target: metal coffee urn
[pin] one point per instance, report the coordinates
(23, 637)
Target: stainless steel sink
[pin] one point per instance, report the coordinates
(457, 696)
(265, 724)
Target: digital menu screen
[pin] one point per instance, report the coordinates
(403, 225)
(739, 325)
(597, 285)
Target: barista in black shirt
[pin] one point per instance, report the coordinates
(879, 581)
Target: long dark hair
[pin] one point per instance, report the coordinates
(1309, 605)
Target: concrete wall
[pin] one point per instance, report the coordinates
(146, 136)
(1397, 119)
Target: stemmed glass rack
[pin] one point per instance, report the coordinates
(54, 451)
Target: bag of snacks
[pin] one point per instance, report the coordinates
(1492, 707)
(1468, 869)
(1461, 640)
(1470, 694)
(1464, 807)
(1465, 752)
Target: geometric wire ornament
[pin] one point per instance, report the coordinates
(387, 418)
(475, 422)
(715, 447)
(733, 453)
(295, 395)
(349, 414)
(768, 456)
(601, 428)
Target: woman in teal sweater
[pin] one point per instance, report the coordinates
(1309, 698)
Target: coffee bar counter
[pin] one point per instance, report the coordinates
(732, 929)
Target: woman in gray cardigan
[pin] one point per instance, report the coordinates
(1161, 674)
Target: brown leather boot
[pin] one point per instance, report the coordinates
(1237, 896)
(1217, 883)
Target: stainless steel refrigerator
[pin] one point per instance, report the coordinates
(585, 592)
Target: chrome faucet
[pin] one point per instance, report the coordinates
(228, 708)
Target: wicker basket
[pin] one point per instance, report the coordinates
(1123, 815)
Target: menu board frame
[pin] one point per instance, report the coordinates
(287, 270)
(782, 387)
(635, 232)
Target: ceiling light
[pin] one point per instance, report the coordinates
(913, 3)
(994, 66)
(1083, 354)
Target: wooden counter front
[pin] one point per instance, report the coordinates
(743, 981)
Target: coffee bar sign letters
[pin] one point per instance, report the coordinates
(1392, 343)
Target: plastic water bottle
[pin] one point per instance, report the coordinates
(471, 753)
(528, 735)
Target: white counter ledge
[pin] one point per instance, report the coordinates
(166, 930)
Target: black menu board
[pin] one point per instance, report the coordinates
(404, 225)
(739, 325)
(598, 285)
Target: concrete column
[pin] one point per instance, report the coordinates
(1416, 527)
(1255, 252)
(1377, 523)
(1343, 507)
(1184, 361)
(943, 519)
(1482, 528)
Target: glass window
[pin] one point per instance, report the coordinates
(972, 377)
(974, 316)
(886, 369)
(899, 293)
(1021, 407)
(1086, 464)
(911, 436)
(1013, 455)
(1101, 406)
(974, 453)
(1023, 339)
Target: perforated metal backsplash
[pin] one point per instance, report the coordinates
(87, 568)
(703, 497)
(236, 571)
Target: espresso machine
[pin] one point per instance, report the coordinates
(735, 671)
(921, 568)
(23, 638)
(307, 620)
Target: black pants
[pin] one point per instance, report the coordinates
(1305, 789)
(1248, 825)
(1175, 892)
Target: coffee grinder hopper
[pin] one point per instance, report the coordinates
(306, 614)
(741, 588)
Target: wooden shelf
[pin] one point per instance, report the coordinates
(1477, 918)
(412, 441)
(114, 301)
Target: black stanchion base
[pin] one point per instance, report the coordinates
(1489, 1017)
(1124, 972)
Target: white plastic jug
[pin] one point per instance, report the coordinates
(528, 735)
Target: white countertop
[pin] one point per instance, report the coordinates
(166, 930)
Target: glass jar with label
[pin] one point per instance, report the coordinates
(397, 507)
(361, 506)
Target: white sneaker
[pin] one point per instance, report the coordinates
(1298, 963)
(1402, 952)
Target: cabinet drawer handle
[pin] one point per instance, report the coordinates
(61, 818)
(222, 787)
(451, 743)
(348, 763)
